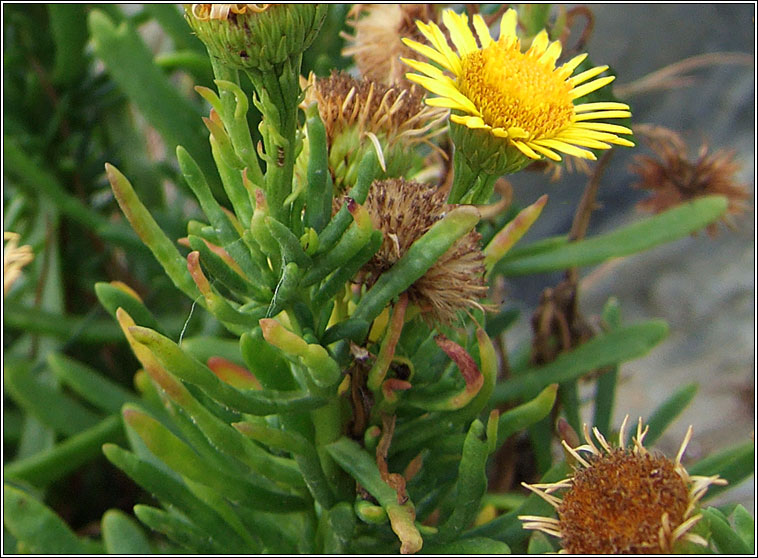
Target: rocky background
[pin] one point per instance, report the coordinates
(703, 287)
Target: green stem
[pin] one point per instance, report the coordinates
(328, 428)
(282, 89)
(236, 124)
(464, 178)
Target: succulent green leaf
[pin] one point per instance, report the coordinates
(52, 407)
(179, 530)
(726, 540)
(130, 64)
(474, 545)
(667, 412)
(734, 464)
(36, 526)
(362, 468)
(122, 535)
(172, 491)
(190, 370)
(643, 235)
(92, 386)
(42, 468)
(610, 348)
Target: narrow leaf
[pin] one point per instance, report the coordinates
(36, 526)
(611, 348)
(653, 231)
(122, 535)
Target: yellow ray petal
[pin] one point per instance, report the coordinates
(424, 67)
(603, 127)
(453, 65)
(545, 151)
(526, 150)
(587, 74)
(564, 147)
(584, 142)
(445, 102)
(474, 122)
(517, 133)
(539, 44)
(551, 55)
(508, 25)
(443, 89)
(573, 64)
(460, 32)
(437, 38)
(482, 31)
(589, 134)
(602, 114)
(583, 90)
(587, 107)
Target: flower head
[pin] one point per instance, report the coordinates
(404, 210)
(673, 178)
(517, 101)
(255, 36)
(364, 114)
(623, 501)
(375, 45)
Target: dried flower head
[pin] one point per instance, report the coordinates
(516, 102)
(623, 501)
(255, 36)
(376, 46)
(360, 114)
(404, 210)
(15, 257)
(205, 12)
(673, 178)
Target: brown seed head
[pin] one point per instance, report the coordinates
(393, 111)
(673, 178)
(622, 500)
(616, 505)
(404, 210)
(376, 46)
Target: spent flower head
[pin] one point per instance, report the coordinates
(673, 178)
(519, 104)
(623, 501)
(404, 210)
(376, 43)
(361, 114)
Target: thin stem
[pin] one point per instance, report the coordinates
(279, 142)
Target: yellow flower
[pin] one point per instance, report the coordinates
(623, 501)
(520, 98)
